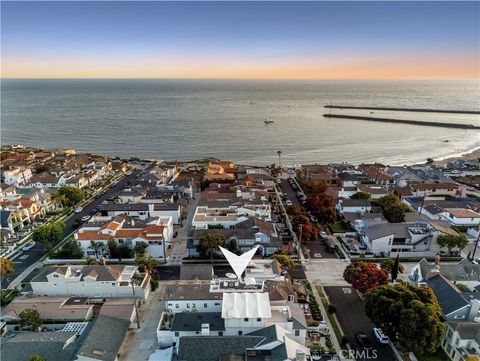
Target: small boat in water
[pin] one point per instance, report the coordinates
(268, 121)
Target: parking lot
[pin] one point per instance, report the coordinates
(351, 315)
(319, 249)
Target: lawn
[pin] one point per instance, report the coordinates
(339, 227)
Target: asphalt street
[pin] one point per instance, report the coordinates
(26, 259)
(351, 315)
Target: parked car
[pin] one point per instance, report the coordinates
(78, 209)
(363, 340)
(94, 210)
(380, 336)
(362, 247)
(288, 202)
(27, 247)
(313, 219)
(279, 181)
(85, 218)
(104, 202)
(323, 234)
(111, 198)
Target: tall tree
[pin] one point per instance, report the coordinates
(146, 264)
(323, 207)
(209, 244)
(394, 271)
(451, 241)
(361, 195)
(284, 260)
(408, 314)
(69, 196)
(310, 232)
(30, 318)
(6, 268)
(49, 234)
(365, 276)
(233, 246)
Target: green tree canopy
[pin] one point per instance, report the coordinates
(392, 266)
(146, 264)
(284, 260)
(69, 195)
(233, 246)
(49, 233)
(393, 209)
(451, 241)
(408, 314)
(209, 244)
(70, 250)
(37, 358)
(30, 318)
(361, 195)
(6, 267)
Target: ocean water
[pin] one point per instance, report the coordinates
(192, 119)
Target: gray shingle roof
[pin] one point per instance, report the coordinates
(449, 299)
(211, 348)
(385, 229)
(49, 345)
(105, 338)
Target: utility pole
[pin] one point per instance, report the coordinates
(476, 244)
(135, 303)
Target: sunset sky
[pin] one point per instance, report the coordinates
(240, 40)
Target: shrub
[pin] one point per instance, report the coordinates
(332, 309)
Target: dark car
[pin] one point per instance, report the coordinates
(363, 340)
(94, 210)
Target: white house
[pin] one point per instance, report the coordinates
(143, 210)
(18, 176)
(124, 230)
(462, 216)
(91, 281)
(353, 206)
(462, 339)
(192, 298)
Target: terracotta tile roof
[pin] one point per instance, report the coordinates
(462, 213)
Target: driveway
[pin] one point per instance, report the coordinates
(351, 315)
(318, 249)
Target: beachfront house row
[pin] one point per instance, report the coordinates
(95, 282)
(17, 177)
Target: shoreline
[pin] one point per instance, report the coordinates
(473, 154)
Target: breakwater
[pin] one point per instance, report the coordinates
(421, 110)
(406, 121)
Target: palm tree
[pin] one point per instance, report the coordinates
(279, 152)
(147, 264)
(98, 247)
(6, 268)
(89, 261)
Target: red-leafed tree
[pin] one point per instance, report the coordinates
(365, 276)
(309, 232)
(323, 207)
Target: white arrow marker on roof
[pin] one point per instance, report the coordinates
(239, 263)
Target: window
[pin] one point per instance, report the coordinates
(259, 319)
(188, 305)
(297, 332)
(177, 305)
(204, 305)
(197, 332)
(56, 276)
(176, 334)
(217, 303)
(220, 333)
(240, 333)
(245, 319)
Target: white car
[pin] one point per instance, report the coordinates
(279, 181)
(27, 247)
(323, 234)
(288, 202)
(78, 209)
(104, 202)
(85, 218)
(380, 336)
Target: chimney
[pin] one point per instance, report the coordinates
(104, 262)
(474, 309)
(205, 329)
(437, 261)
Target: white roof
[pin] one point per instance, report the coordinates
(246, 305)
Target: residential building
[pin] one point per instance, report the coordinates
(91, 281)
(462, 340)
(345, 205)
(220, 172)
(462, 216)
(377, 175)
(437, 190)
(18, 177)
(192, 298)
(143, 210)
(154, 233)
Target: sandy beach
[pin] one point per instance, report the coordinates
(474, 154)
